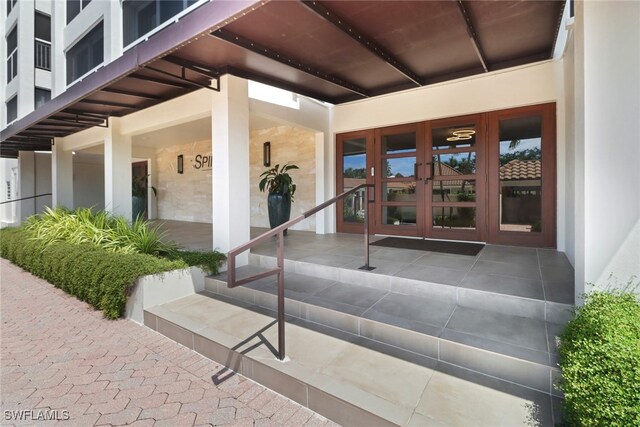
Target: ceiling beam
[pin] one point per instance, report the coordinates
(186, 80)
(107, 103)
(87, 114)
(363, 40)
(155, 80)
(473, 36)
(71, 122)
(196, 67)
(133, 94)
(252, 46)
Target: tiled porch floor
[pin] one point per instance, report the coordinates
(541, 274)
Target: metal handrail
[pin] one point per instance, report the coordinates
(279, 270)
(26, 198)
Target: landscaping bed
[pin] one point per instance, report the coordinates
(96, 257)
(600, 361)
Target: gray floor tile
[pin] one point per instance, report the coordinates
(520, 331)
(447, 276)
(456, 262)
(557, 274)
(525, 271)
(511, 254)
(553, 333)
(552, 258)
(328, 259)
(393, 254)
(359, 296)
(562, 292)
(381, 266)
(504, 285)
(413, 308)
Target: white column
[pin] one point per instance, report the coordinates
(230, 151)
(61, 176)
(117, 170)
(27, 184)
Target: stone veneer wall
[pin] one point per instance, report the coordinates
(288, 144)
(187, 196)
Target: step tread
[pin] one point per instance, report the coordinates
(515, 336)
(392, 384)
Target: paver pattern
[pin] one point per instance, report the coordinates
(61, 358)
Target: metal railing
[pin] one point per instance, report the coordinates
(43, 55)
(232, 282)
(25, 198)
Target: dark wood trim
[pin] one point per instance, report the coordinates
(363, 40)
(341, 225)
(479, 233)
(408, 230)
(486, 179)
(547, 237)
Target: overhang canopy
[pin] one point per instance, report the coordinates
(334, 51)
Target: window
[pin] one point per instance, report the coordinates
(86, 54)
(12, 109)
(74, 7)
(140, 17)
(41, 96)
(12, 54)
(10, 5)
(43, 41)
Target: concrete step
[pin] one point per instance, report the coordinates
(349, 378)
(429, 287)
(512, 348)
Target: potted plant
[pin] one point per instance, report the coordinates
(281, 189)
(139, 189)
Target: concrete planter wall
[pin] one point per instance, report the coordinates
(161, 288)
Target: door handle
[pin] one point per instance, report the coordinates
(415, 171)
(431, 171)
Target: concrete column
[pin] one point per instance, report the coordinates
(61, 176)
(27, 184)
(117, 170)
(230, 151)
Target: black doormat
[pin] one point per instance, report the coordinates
(457, 248)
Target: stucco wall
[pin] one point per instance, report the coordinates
(288, 144)
(186, 196)
(608, 33)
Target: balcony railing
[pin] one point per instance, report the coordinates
(43, 55)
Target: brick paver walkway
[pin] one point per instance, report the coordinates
(58, 354)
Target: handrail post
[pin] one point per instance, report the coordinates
(366, 265)
(281, 353)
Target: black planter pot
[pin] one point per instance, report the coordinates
(279, 209)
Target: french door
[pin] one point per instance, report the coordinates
(426, 177)
(484, 177)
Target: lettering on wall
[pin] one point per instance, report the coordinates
(202, 162)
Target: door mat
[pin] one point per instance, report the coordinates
(457, 248)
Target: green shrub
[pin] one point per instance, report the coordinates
(91, 273)
(208, 261)
(111, 233)
(600, 361)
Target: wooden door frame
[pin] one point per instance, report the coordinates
(547, 237)
(479, 234)
(368, 134)
(378, 226)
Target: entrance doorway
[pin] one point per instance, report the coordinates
(484, 177)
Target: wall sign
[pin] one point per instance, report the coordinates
(202, 162)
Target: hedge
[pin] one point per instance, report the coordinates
(600, 362)
(101, 278)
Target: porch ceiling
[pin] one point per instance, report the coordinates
(334, 51)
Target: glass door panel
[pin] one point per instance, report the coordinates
(399, 189)
(354, 164)
(455, 168)
(521, 174)
(522, 180)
